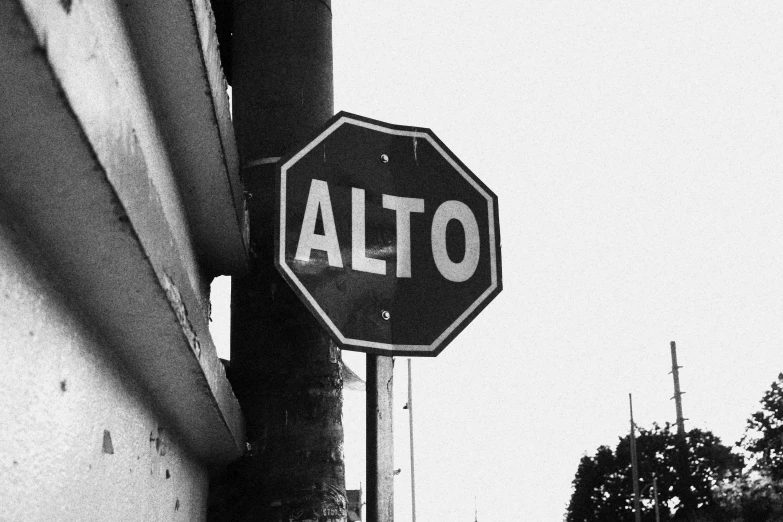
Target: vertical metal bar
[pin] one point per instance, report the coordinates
(410, 422)
(634, 467)
(380, 445)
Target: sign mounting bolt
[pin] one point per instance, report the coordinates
(386, 315)
(384, 158)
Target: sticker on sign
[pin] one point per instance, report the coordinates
(391, 241)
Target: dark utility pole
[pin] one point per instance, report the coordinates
(284, 368)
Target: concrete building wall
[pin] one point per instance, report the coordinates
(79, 440)
(119, 201)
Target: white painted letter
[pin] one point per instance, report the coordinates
(308, 239)
(359, 259)
(403, 208)
(462, 271)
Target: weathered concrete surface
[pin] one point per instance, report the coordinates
(80, 439)
(86, 179)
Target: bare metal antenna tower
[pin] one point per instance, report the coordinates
(677, 393)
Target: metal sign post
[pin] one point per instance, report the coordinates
(410, 424)
(380, 440)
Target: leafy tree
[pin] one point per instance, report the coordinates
(688, 472)
(763, 438)
(597, 489)
(757, 495)
(752, 497)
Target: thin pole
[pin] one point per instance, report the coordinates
(410, 422)
(655, 492)
(380, 444)
(634, 467)
(677, 393)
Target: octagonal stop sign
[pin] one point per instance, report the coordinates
(391, 242)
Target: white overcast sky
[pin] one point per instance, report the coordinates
(635, 148)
